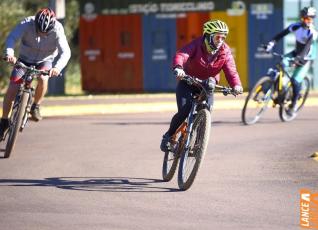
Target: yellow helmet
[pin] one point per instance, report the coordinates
(215, 26)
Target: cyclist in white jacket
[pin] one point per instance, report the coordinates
(304, 52)
(42, 40)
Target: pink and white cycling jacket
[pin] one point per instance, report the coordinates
(197, 62)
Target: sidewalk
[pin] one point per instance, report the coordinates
(134, 103)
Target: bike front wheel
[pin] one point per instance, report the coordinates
(284, 113)
(305, 87)
(17, 115)
(193, 153)
(257, 100)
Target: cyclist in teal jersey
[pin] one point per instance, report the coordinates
(304, 52)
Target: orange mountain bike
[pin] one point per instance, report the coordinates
(190, 141)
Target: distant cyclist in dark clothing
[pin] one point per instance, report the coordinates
(306, 35)
(204, 58)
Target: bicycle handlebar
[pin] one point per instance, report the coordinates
(264, 46)
(30, 68)
(281, 56)
(199, 83)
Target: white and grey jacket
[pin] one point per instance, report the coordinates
(35, 48)
(305, 37)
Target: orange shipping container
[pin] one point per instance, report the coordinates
(117, 66)
(189, 27)
(91, 52)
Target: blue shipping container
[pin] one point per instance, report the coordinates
(159, 47)
(264, 22)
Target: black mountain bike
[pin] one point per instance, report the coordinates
(189, 143)
(21, 107)
(277, 87)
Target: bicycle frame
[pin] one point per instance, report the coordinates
(201, 98)
(186, 127)
(278, 78)
(26, 87)
(28, 108)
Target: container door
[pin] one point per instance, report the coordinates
(265, 20)
(237, 40)
(91, 41)
(159, 38)
(189, 27)
(123, 53)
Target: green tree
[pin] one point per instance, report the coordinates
(12, 11)
(71, 25)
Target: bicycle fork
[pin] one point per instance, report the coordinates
(29, 92)
(189, 128)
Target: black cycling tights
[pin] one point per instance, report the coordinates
(184, 101)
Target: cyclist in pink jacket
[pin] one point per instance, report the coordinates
(203, 58)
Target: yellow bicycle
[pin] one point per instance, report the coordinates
(276, 86)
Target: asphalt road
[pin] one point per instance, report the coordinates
(104, 172)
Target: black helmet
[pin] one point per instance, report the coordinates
(308, 12)
(45, 20)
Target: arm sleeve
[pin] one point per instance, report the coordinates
(280, 35)
(63, 49)
(14, 36)
(290, 28)
(230, 71)
(183, 55)
(306, 48)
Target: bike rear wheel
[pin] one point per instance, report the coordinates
(257, 100)
(284, 115)
(170, 160)
(15, 122)
(193, 155)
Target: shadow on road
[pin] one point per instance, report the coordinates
(98, 184)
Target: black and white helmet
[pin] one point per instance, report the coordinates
(45, 20)
(308, 12)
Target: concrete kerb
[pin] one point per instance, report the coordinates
(138, 103)
(119, 104)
